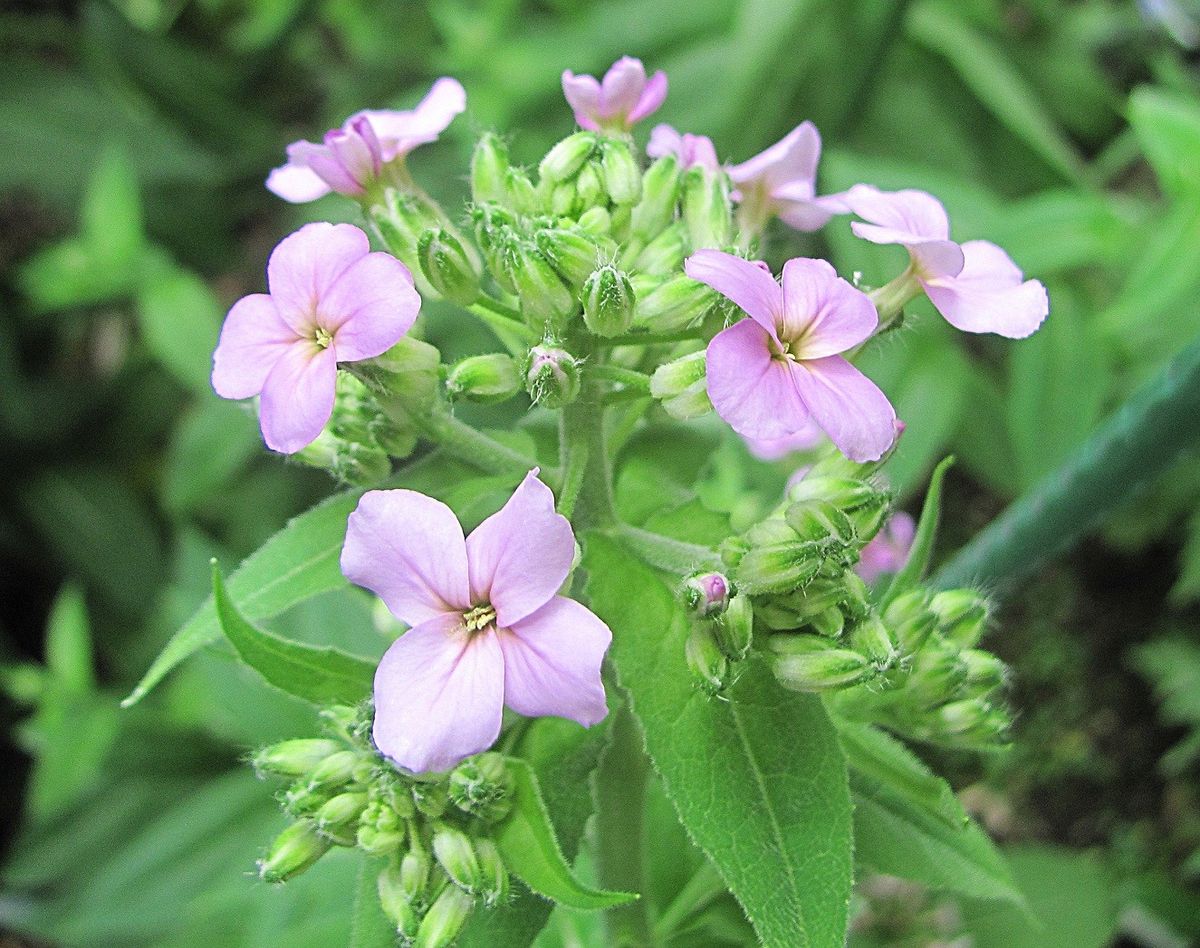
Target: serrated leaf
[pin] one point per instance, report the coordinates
(317, 673)
(922, 549)
(531, 852)
(759, 780)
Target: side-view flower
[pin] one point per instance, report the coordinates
(617, 102)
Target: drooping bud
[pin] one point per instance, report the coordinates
(551, 376)
(489, 168)
(821, 670)
(706, 661)
(489, 378)
(295, 758)
(608, 302)
(622, 178)
(447, 266)
(872, 639)
(397, 905)
(546, 301)
(454, 853)
(445, 919)
(295, 850)
(828, 622)
(564, 160)
(910, 618)
(573, 253)
(962, 616)
(734, 628)
(681, 387)
(493, 876)
(660, 191)
(674, 304)
(482, 786)
(706, 594)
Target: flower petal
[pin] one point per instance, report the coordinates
(990, 295)
(621, 88)
(823, 313)
(552, 663)
(297, 396)
(253, 339)
(792, 159)
(653, 95)
(305, 264)
(296, 183)
(750, 286)
(665, 140)
(399, 132)
(897, 217)
(752, 391)
(520, 555)
(799, 208)
(370, 306)
(409, 550)
(326, 164)
(855, 414)
(583, 95)
(439, 695)
(772, 449)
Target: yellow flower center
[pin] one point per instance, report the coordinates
(479, 618)
(322, 337)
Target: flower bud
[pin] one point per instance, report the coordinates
(482, 786)
(493, 875)
(828, 622)
(778, 567)
(551, 377)
(675, 304)
(573, 253)
(622, 177)
(414, 875)
(608, 302)
(707, 208)
(865, 504)
(545, 299)
(937, 674)
(962, 616)
(821, 670)
(565, 159)
(820, 521)
(771, 530)
(489, 167)
(399, 220)
(874, 642)
(341, 810)
(910, 618)
(349, 462)
(734, 628)
(445, 919)
(294, 851)
(595, 221)
(799, 643)
(334, 770)
(732, 549)
(447, 266)
(681, 387)
(660, 191)
(665, 253)
(975, 718)
(396, 903)
(405, 378)
(377, 842)
(454, 853)
(294, 758)
(983, 670)
(489, 378)
(705, 660)
(431, 797)
(706, 594)
(589, 189)
(563, 199)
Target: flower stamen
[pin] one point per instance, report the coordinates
(479, 618)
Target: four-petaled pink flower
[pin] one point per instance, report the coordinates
(975, 285)
(623, 99)
(688, 148)
(782, 182)
(351, 158)
(488, 627)
(888, 549)
(331, 300)
(769, 374)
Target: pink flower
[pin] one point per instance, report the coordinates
(623, 99)
(351, 158)
(975, 285)
(770, 374)
(688, 148)
(488, 628)
(772, 449)
(782, 181)
(888, 549)
(331, 300)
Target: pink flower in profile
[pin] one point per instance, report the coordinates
(888, 549)
(782, 182)
(623, 99)
(352, 158)
(770, 374)
(488, 628)
(331, 300)
(688, 148)
(975, 285)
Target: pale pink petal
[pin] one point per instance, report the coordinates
(772, 449)
(888, 549)
(439, 695)
(691, 150)
(851, 409)
(409, 550)
(747, 284)
(552, 663)
(297, 396)
(652, 97)
(900, 217)
(323, 161)
(583, 95)
(749, 389)
(253, 339)
(665, 140)
(520, 555)
(306, 264)
(399, 132)
(701, 151)
(296, 183)
(622, 88)
(369, 307)
(937, 258)
(822, 313)
(990, 294)
(792, 159)
(799, 208)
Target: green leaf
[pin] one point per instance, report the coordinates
(759, 780)
(1167, 126)
(922, 549)
(320, 674)
(179, 318)
(214, 441)
(369, 926)
(530, 849)
(69, 643)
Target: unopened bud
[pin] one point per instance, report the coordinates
(489, 168)
(865, 504)
(447, 266)
(341, 810)
(706, 594)
(984, 671)
(874, 642)
(399, 220)
(445, 919)
(522, 195)
(828, 622)
(545, 299)
(493, 876)
(820, 521)
(595, 221)
(962, 616)
(681, 387)
(821, 670)
(295, 850)
(294, 758)
(563, 199)
(482, 786)
(660, 191)
(397, 905)
(431, 797)
(910, 618)
(589, 188)
(335, 769)
(608, 302)
(706, 661)
(973, 718)
(564, 160)
(349, 462)
(937, 674)
(573, 253)
(377, 842)
(734, 628)
(454, 853)
(489, 378)
(799, 643)
(665, 253)
(674, 304)
(707, 208)
(551, 377)
(405, 378)
(622, 178)
(778, 567)
(414, 874)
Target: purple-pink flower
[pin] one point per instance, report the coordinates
(782, 182)
(688, 148)
(770, 374)
(975, 285)
(331, 300)
(620, 101)
(888, 549)
(488, 628)
(352, 158)
(772, 449)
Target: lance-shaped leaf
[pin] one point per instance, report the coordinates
(922, 549)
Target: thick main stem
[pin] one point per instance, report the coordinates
(581, 431)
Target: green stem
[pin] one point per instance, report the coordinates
(699, 890)
(582, 422)
(460, 440)
(574, 451)
(648, 338)
(672, 556)
(632, 380)
(510, 330)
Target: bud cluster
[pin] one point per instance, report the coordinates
(433, 834)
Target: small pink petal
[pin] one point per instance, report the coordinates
(792, 159)
(409, 550)
(297, 396)
(665, 140)
(253, 339)
(583, 95)
(990, 294)
(439, 695)
(822, 313)
(552, 663)
(851, 409)
(888, 549)
(520, 555)
(325, 164)
(901, 217)
(306, 264)
(399, 132)
(748, 285)
(749, 389)
(651, 99)
(369, 307)
(296, 183)
(622, 88)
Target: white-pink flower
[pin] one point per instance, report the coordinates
(488, 626)
(331, 300)
(888, 549)
(351, 158)
(620, 101)
(975, 286)
(782, 182)
(688, 148)
(768, 375)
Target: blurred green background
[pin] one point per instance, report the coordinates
(134, 139)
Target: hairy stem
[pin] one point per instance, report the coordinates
(673, 556)
(632, 380)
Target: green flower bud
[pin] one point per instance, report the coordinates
(734, 628)
(910, 618)
(341, 810)
(707, 208)
(857, 604)
(821, 521)
(294, 758)
(334, 770)
(565, 159)
(983, 670)
(399, 220)
(596, 221)
(874, 642)
(431, 797)
(522, 195)
(799, 643)
(707, 594)
(660, 191)
(405, 378)
(447, 266)
(962, 616)
(377, 842)
(778, 567)
(573, 253)
(414, 875)
(622, 177)
(973, 718)
(301, 800)
(445, 919)
(589, 189)
(665, 253)
(484, 378)
(493, 876)
(349, 462)
(608, 302)
(482, 786)
(454, 853)
(396, 903)
(865, 504)
(705, 660)
(771, 530)
(545, 299)
(294, 851)
(551, 376)
(821, 670)
(681, 387)
(828, 622)
(489, 168)
(564, 199)
(732, 549)
(675, 304)
(937, 674)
